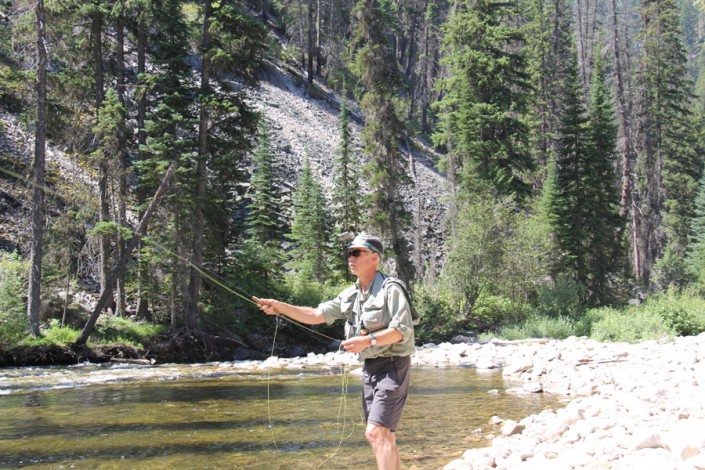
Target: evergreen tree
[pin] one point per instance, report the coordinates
(347, 198)
(605, 245)
(38, 177)
(584, 205)
(485, 96)
(667, 166)
(569, 203)
(696, 249)
(265, 222)
(376, 65)
(548, 35)
(310, 228)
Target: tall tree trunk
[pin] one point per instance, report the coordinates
(318, 38)
(311, 44)
(104, 216)
(38, 178)
(627, 205)
(120, 293)
(142, 303)
(194, 287)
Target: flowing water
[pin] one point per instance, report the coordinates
(226, 416)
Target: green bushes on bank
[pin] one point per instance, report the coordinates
(13, 323)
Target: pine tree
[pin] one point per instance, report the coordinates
(569, 203)
(696, 248)
(485, 96)
(605, 257)
(667, 166)
(38, 177)
(347, 198)
(266, 226)
(584, 206)
(379, 74)
(310, 228)
(548, 36)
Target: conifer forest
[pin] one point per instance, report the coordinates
(569, 136)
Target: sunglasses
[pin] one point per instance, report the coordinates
(356, 253)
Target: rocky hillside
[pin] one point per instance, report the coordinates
(302, 125)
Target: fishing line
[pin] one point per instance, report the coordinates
(343, 411)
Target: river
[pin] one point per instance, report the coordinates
(220, 415)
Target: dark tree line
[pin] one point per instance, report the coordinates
(581, 122)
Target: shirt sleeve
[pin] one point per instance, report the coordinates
(400, 311)
(337, 309)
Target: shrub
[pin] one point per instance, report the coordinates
(631, 325)
(491, 311)
(439, 322)
(684, 313)
(13, 324)
(122, 330)
(539, 326)
(563, 299)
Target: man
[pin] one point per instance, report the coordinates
(380, 330)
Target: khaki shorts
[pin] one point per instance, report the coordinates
(385, 384)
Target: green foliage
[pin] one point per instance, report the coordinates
(13, 323)
(491, 311)
(668, 165)
(484, 97)
(582, 201)
(611, 325)
(696, 248)
(54, 334)
(440, 321)
(112, 329)
(672, 270)
(310, 228)
(562, 299)
(264, 219)
(538, 326)
(497, 251)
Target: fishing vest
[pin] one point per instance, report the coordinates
(354, 325)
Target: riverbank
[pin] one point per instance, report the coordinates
(632, 406)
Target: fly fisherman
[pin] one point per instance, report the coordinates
(380, 329)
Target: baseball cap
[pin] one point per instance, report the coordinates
(364, 240)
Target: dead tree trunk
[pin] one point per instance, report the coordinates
(122, 263)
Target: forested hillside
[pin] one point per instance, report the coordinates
(521, 160)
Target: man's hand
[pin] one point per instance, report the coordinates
(356, 344)
(266, 305)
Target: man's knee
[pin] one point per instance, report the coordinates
(376, 434)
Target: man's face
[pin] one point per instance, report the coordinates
(361, 260)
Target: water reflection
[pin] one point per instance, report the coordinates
(207, 417)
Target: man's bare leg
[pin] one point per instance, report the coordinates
(384, 445)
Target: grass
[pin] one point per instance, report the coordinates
(108, 330)
(661, 317)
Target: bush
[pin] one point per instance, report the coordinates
(631, 325)
(111, 329)
(53, 334)
(439, 322)
(13, 323)
(684, 313)
(563, 299)
(491, 311)
(539, 326)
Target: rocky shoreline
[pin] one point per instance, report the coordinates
(632, 406)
